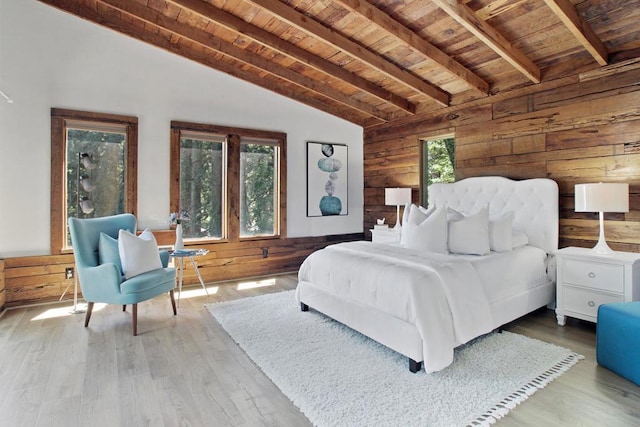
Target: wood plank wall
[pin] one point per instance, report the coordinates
(3, 293)
(581, 129)
(39, 279)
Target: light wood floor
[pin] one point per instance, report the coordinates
(185, 370)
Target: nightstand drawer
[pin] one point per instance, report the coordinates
(585, 302)
(606, 277)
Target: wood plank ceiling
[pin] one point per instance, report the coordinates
(382, 60)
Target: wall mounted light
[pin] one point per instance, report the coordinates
(87, 161)
(86, 205)
(87, 183)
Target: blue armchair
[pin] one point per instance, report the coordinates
(105, 283)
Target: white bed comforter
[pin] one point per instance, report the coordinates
(440, 294)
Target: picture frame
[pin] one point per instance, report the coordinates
(327, 179)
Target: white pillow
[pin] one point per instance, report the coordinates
(426, 232)
(470, 235)
(138, 254)
(405, 214)
(428, 210)
(454, 215)
(519, 239)
(411, 213)
(409, 207)
(500, 230)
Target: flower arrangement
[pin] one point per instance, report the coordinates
(178, 217)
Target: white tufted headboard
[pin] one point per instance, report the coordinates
(534, 202)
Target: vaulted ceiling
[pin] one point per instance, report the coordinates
(377, 61)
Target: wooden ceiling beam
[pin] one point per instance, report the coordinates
(157, 19)
(286, 48)
(580, 29)
(355, 50)
(490, 37)
(413, 40)
(153, 38)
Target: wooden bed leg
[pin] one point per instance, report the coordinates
(414, 366)
(304, 307)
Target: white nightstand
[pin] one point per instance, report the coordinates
(385, 235)
(585, 281)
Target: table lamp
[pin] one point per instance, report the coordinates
(602, 197)
(398, 197)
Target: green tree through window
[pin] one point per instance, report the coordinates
(258, 188)
(438, 163)
(201, 184)
(93, 169)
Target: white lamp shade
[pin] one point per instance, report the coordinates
(602, 197)
(397, 196)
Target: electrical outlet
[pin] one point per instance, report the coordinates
(265, 252)
(68, 273)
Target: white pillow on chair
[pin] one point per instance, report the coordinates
(138, 254)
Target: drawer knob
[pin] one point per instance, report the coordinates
(591, 303)
(592, 274)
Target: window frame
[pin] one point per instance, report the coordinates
(231, 222)
(59, 121)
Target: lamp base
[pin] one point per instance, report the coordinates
(398, 226)
(601, 248)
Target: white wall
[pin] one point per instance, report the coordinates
(51, 59)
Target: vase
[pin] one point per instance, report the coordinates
(179, 245)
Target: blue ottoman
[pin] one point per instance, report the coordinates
(618, 339)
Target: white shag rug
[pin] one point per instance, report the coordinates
(337, 376)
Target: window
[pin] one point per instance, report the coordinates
(202, 180)
(258, 187)
(438, 163)
(229, 180)
(93, 159)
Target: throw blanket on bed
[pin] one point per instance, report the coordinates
(440, 294)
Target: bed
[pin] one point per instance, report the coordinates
(422, 301)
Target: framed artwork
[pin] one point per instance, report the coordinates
(327, 179)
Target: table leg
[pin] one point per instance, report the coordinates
(195, 267)
(180, 273)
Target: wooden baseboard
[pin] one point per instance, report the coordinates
(41, 279)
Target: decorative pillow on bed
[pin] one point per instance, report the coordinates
(454, 215)
(470, 235)
(405, 214)
(138, 254)
(519, 239)
(410, 206)
(500, 231)
(426, 231)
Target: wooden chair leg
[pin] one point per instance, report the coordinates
(173, 302)
(87, 317)
(135, 319)
(124, 307)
